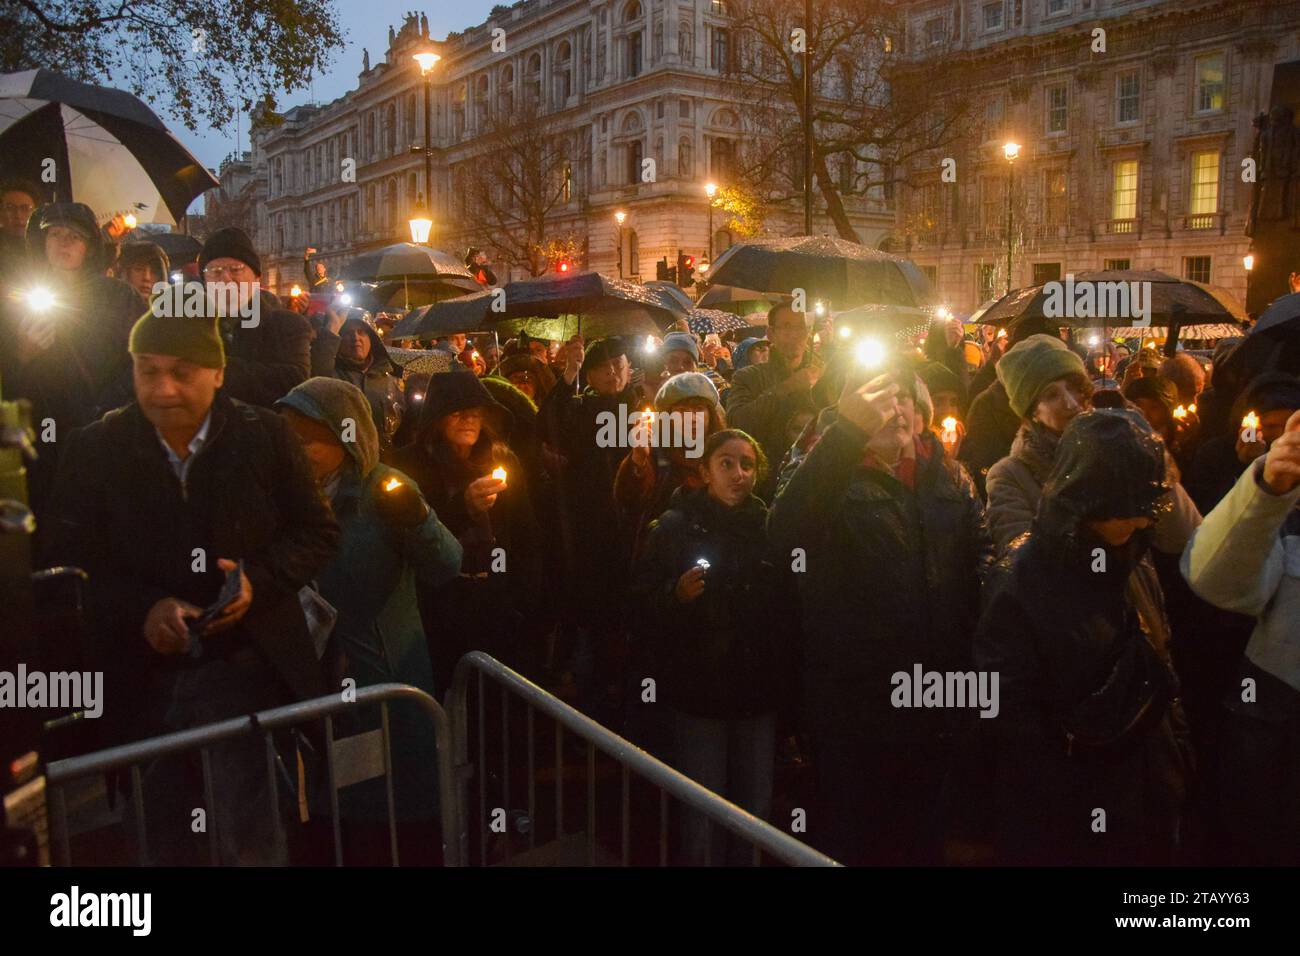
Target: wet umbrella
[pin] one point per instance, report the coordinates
(843, 272)
(1192, 303)
(110, 151)
(671, 293)
(180, 248)
(409, 294)
(1283, 314)
(889, 320)
(602, 325)
(404, 263)
(588, 293)
(468, 313)
(740, 301)
(708, 321)
(422, 361)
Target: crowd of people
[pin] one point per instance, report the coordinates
(1016, 505)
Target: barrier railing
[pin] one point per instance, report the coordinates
(349, 760)
(763, 837)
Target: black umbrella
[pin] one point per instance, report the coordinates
(407, 294)
(1191, 303)
(587, 293)
(110, 151)
(843, 272)
(180, 248)
(1284, 311)
(404, 260)
(449, 317)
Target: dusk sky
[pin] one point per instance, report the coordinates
(364, 24)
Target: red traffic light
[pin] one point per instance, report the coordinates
(689, 261)
(562, 265)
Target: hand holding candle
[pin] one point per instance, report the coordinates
(499, 474)
(400, 504)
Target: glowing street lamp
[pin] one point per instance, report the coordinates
(1248, 263)
(420, 225)
(620, 217)
(427, 60)
(1010, 151)
(710, 190)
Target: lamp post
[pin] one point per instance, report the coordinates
(620, 217)
(711, 190)
(427, 60)
(807, 121)
(1010, 151)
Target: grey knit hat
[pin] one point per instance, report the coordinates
(686, 385)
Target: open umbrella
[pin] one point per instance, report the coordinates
(110, 151)
(587, 293)
(422, 361)
(845, 273)
(404, 260)
(672, 293)
(179, 247)
(1283, 313)
(902, 322)
(709, 321)
(1192, 303)
(468, 313)
(740, 301)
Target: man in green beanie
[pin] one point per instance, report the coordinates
(159, 501)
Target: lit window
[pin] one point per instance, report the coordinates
(1205, 183)
(1116, 265)
(1124, 193)
(1209, 83)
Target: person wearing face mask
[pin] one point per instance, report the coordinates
(714, 607)
(1076, 629)
(895, 545)
(1047, 386)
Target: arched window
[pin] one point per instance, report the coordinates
(458, 112)
(370, 135)
(390, 204)
(633, 12)
(633, 253)
(412, 191)
(635, 153)
(533, 80)
(390, 128)
(722, 241)
(563, 74)
(370, 208)
(506, 90)
(410, 118)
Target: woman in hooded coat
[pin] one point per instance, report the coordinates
(493, 605)
(1092, 755)
(392, 543)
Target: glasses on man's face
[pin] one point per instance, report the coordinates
(236, 272)
(23, 209)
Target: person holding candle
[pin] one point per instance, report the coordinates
(455, 458)
(717, 608)
(392, 545)
(1244, 558)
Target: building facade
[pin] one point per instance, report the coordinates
(1133, 119)
(631, 80)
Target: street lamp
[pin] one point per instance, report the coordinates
(620, 217)
(711, 190)
(1010, 151)
(421, 225)
(427, 60)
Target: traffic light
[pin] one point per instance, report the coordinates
(661, 269)
(563, 266)
(685, 270)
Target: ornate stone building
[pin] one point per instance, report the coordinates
(632, 80)
(1133, 117)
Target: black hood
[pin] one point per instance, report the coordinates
(378, 350)
(1109, 464)
(99, 253)
(449, 392)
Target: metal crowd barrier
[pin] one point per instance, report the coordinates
(762, 836)
(349, 760)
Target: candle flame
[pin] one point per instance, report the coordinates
(1192, 408)
(950, 424)
(499, 474)
(1250, 421)
(392, 484)
(1180, 412)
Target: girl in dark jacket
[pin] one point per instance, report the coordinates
(476, 485)
(1092, 755)
(713, 599)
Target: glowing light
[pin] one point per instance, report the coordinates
(943, 312)
(870, 353)
(1094, 341)
(1251, 420)
(392, 484)
(177, 276)
(1192, 408)
(418, 397)
(296, 291)
(498, 474)
(703, 564)
(819, 309)
(1002, 333)
(345, 299)
(620, 217)
(650, 345)
(338, 287)
(40, 299)
(427, 61)
(1248, 263)
(130, 221)
(949, 430)
(420, 227)
(845, 331)
(1010, 151)
(1180, 413)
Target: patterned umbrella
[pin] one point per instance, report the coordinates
(706, 321)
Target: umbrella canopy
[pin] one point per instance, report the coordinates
(1208, 330)
(1191, 303)
(110, 151)
(672, 293)
(467, 313)
(843, 272)
(179, 247)
(404, 260)
(1283, 312)
(708, 321)
(601, 325)
(408, 294)
(422, 361)
(588, 293)
(896, 320)
(740, 301)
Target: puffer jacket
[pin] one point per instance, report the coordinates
(720, 655)
(892, 578)
(1070, 636)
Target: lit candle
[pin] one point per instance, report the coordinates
(130, 220)
(1250, 427)
(392, 484)
(949, 430)
(1192, 408)
(1180, 413)
(499, 474)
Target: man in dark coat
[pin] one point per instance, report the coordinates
(357, 354)
(890, 539)
(18, 200)
(763, 398)
(66, 351)
(158, 501)
(268, 353)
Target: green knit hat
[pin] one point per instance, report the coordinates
(1030, 366)
(194, 339)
